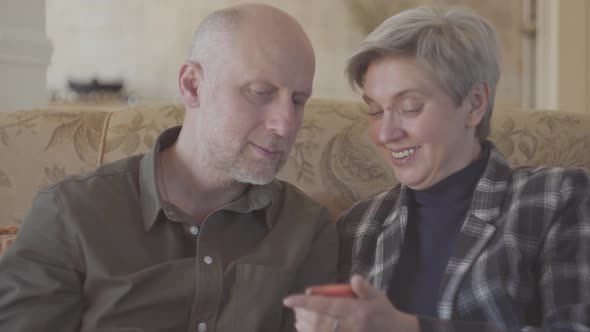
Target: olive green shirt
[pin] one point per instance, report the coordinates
(103, 252)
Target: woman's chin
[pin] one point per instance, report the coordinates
(413, 181)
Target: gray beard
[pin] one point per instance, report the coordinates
(236, 166)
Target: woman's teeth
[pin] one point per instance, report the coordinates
(403, 154)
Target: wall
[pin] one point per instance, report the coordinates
(24, 55)
(563, 47)
(146, 41)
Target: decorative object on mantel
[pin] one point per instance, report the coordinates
(96, 86)
(94, 91)
(368, 14)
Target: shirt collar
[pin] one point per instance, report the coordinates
(255, 197)
(151, 201)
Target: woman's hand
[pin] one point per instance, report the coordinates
(369, 311)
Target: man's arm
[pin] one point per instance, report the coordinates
(320, 267)
(40, 275)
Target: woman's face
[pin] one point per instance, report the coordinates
(422, 132)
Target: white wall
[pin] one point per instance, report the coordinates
(563, 51)
(145, 41)
(24, 54)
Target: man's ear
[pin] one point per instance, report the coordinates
(477, 103)
(189, 80)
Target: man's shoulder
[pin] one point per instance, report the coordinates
(299, 207)
(297, 195)
(115, 172)
(83, 203)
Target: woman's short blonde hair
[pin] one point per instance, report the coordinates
(456, 45)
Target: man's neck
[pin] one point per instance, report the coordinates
(186, 183)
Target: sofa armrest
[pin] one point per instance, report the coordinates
(7, 235)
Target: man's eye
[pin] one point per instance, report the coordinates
(299, 100)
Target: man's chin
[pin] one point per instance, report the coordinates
(256, 177)
(256, 172)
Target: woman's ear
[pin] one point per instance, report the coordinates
(477, 103)
(189, 80)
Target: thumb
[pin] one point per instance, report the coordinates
(363, 289)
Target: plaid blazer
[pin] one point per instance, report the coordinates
(521, 261)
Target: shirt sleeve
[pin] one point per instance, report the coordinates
(320, 266)
(40, 277)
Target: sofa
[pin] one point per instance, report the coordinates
(332, 160)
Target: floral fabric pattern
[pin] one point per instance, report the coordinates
(332, 159)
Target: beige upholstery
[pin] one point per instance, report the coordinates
(332, 160)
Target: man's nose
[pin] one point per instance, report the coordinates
(282, 118)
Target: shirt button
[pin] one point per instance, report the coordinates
(202, 327)
(194, 230)
(208, 259)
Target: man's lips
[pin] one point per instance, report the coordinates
(268, 152)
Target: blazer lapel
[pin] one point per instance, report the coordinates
(473, 238)
(389, 244)
(477, 230)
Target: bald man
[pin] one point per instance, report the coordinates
(196, 235)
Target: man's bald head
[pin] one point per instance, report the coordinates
(250, 73)
(262, 21)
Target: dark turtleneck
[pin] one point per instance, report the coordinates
(435, 218)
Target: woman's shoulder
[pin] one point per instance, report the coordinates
(377, 207)
(544, 174)
(563, 181)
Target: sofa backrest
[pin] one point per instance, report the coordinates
(332, 160)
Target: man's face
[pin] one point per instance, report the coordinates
(252, 103)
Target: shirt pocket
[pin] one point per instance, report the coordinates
(257, 297)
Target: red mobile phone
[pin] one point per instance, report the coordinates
(339, 290)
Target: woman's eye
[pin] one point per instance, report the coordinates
(411, 111)
(375, 113)
(258, 92)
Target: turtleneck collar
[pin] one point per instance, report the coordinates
(455, 187)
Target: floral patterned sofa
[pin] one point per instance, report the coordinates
(333, 159)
